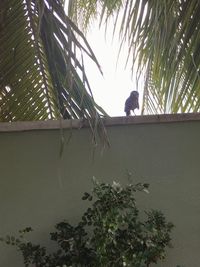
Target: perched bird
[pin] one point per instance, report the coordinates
(131, 103)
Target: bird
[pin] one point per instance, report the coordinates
(131, 103)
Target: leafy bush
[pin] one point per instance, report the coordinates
(110, 233)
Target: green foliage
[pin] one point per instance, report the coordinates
(163, 39)
(110, 233)
(42, 73)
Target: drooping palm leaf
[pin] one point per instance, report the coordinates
(164, 37)
(42, 74)
(25, 89)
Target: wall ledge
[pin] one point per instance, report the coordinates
(110, 121)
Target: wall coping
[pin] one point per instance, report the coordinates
(110, 121)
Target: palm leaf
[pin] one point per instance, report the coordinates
(164, 37)
(42, 74)
(24, 85)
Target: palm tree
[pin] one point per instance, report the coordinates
(164, 43)
(42, 73)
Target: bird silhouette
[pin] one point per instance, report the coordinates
(131, 103)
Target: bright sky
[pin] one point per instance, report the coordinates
(110, 90)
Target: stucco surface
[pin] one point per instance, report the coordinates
(39, 189)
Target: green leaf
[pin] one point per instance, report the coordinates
(164, 44)
(40, 67)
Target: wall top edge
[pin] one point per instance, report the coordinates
(110, 121)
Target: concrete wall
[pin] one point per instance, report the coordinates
(39, 189)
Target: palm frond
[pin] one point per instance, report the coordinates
(42, 73)
(26, 89)
(164, 37)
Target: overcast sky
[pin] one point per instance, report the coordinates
(113, 88)
(110, 90)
